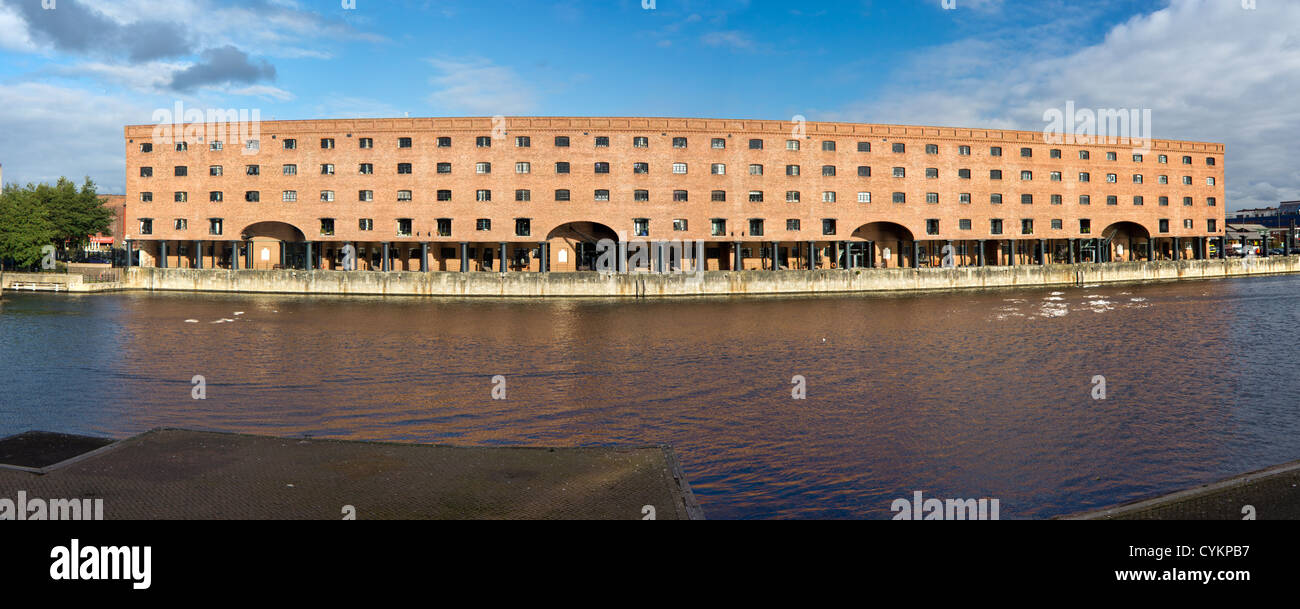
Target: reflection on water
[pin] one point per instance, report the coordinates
(971, 394)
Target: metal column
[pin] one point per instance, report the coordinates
(424, 257)
(464, 257)
(162, 254)
(505, 268)
(980, 253)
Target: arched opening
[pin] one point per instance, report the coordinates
(572, 245)
(887, 244)
(275, 245)
(1125, 242)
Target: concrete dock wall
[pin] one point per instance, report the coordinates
(705, 284)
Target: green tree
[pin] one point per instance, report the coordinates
(76, 214)
(25, 225)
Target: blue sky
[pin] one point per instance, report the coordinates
(1208, 69)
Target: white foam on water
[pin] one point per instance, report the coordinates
(191, 321)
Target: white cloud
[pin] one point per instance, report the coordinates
(65, 132)
(479, 87)
(1208, 70)
(729, 38)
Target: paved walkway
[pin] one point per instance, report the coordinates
(175, 474)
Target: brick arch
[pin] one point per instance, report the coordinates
(273, 230)
(573, 244)
(883, 230)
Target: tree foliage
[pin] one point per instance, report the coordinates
(37, 215)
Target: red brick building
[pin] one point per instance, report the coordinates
(450, 194)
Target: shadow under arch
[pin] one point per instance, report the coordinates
(1125, 240)
(274, 245)
(574, 244)
(883, 236)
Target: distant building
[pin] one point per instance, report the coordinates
(100, 243)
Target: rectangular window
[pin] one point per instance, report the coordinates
(1026, 153)
(679, 224)
(964, 198)
(403, 168)
(963, 224)
(291, 170)
(444, 142)
(900, 172)
(602, 167)
(523, 141)
(366, 142)
(864, 171)
(932, 226)
(366, 195)
(602, 141)
(366, 224)
(755, 144)
(1164, 226)
(899, 148)
(755, 227)
(792, 224)
(679, 168)
(523, 227)
(641, 227)
(963, 174)
(1112, 200)
(1056, 199)
(640, 195)
(215, 170)
(755, 196)
(1137, 200)
(483, 224)
(561, 167)
(1026, 227)
(931, 172)
(1085, 200)
(900, 197)
(828, 197)
(756, 170)
(864, 197)
(995, 198)
(792, 170)
(828, 226)
(640, 142)
(327, 169)
(366, 169)
(252, 196)
(327, 196)
(291, 196)
(718, 169)
(523, 167)
(1137, 158)
(828, 146)
(1084, 155)
(482, 167)
(1085, 226)
(640, 168)
(181, 197)
(482, 195)
(326, 143)
(679, 142)
(523, 195)
(932, 149)
(215, 226)
(864, 146)
(995, 226)
(1058, 224)
(1054, 153)
(561, 141)
(718, 196)
(444, 227)
(403, 227)
(995, 151)
(146, 172)
(792, 144)
(602, 195)
(932, 197)
(327, 226)
(180, 171)
(1212, 225)
(680, 196)
(718, 143)
(561, 194)
(444, 195)
(995, 174)
(215, 196)
(718, 227)
(444, 168)
(483, 141)
(828, 171)
(1027, 199)
(791, 196)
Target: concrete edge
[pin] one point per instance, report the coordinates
(1139, 505)
(692, 507)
